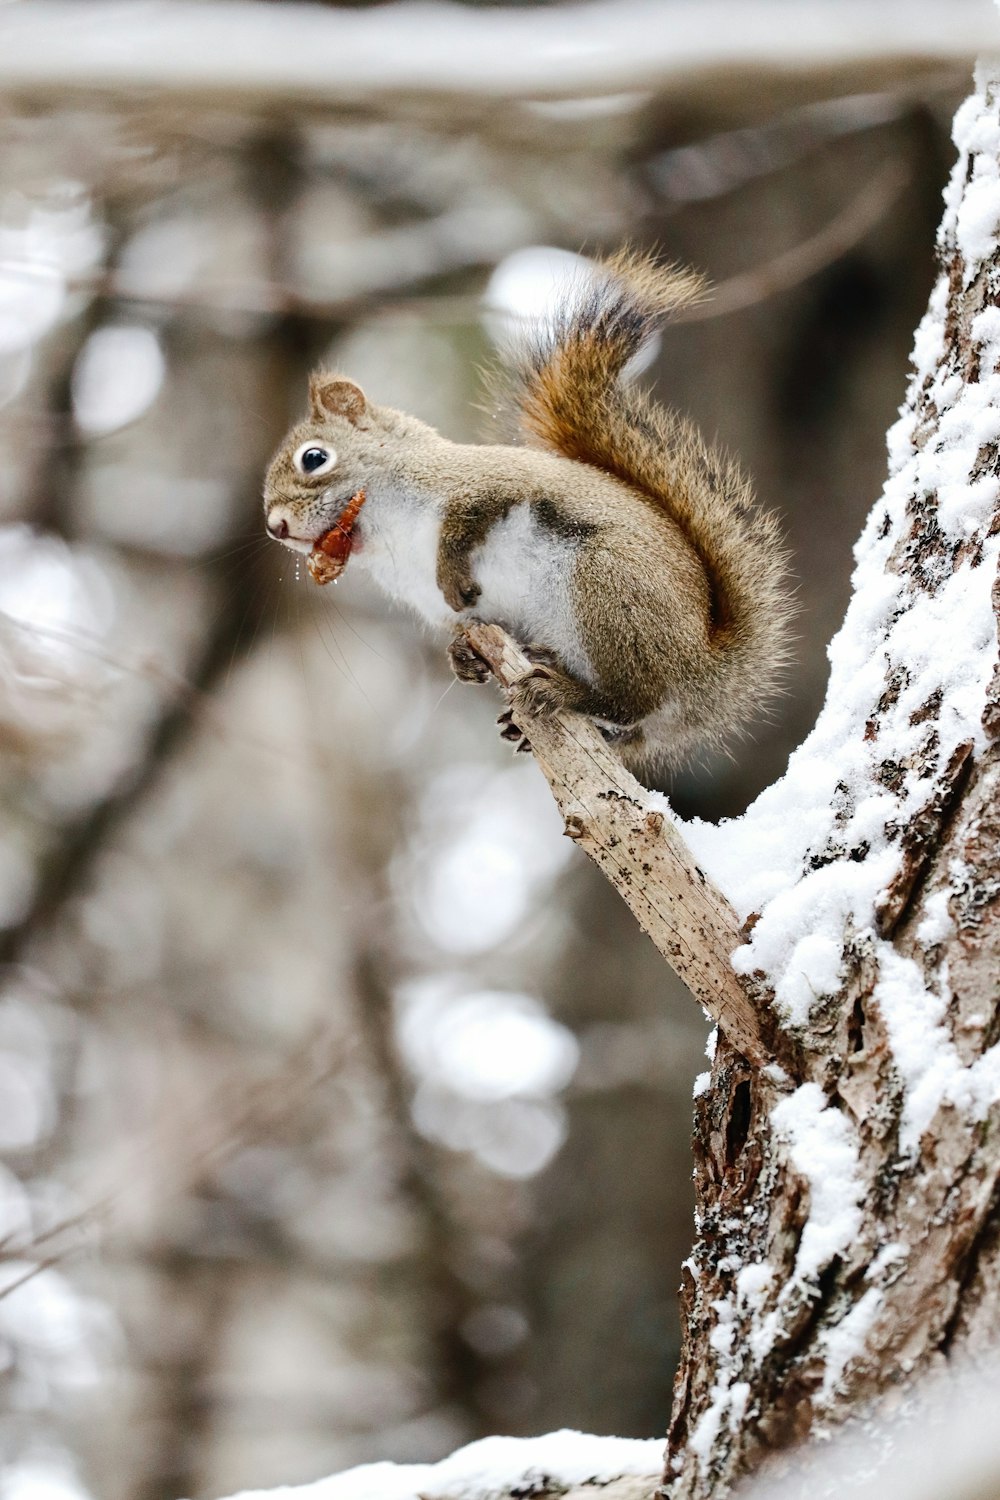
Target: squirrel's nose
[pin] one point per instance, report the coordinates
(277, 527)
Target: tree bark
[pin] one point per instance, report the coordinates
(847, 1160)
(848, 1227)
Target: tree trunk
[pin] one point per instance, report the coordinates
(848, 1222)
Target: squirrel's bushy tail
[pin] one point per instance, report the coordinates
(568, 397)
(607, 314)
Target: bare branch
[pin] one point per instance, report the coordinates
(625, 831)
(266, 299)
(811, 256)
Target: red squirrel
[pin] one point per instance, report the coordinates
(622, 551)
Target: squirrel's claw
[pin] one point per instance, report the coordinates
(510, 732)
(508, 729)
(466, 663)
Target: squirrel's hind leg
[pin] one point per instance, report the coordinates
(548, 688)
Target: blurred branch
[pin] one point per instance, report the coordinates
(446, 1299)
(843, 231)
(65, 866)
(195, 1136)
(232, 630)
(623, 828)
(711, 166)
(292, 56)
(198, 702)
(267, 299)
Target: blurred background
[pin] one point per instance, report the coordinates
(344, 1110)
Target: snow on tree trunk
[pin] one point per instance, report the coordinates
(848, 1219)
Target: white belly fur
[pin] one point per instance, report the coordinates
(399, 550)
(524, 572)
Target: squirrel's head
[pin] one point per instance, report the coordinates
(323, 462)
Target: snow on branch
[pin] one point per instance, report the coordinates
(560, 1463)
(308, 54)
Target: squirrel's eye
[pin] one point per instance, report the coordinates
(313, 458)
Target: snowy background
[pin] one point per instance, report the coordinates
(344, 1114)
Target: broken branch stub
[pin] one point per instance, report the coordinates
(613, 819)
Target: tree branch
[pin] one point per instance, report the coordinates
(252, 54)
(626, 832)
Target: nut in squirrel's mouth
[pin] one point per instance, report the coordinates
(329, 554)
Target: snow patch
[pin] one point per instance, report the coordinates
(823, 1148)
(923, 1051)
(936, 925)
(847, 1340)
(752, 1285)
(489, 1468)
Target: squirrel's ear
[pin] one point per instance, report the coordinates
(333, 396)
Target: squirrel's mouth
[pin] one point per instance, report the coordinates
(284, 525)
(295, 544)
(329, 555)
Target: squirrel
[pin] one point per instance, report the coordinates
(624, 554)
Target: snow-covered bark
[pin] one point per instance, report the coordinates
(848, 1216)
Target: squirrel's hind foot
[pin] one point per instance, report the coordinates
(510, 732)
(540, 692)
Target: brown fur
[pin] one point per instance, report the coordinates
(568, 397)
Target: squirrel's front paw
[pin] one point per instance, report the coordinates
(466, 663)
(539, 693)
(460, 590)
